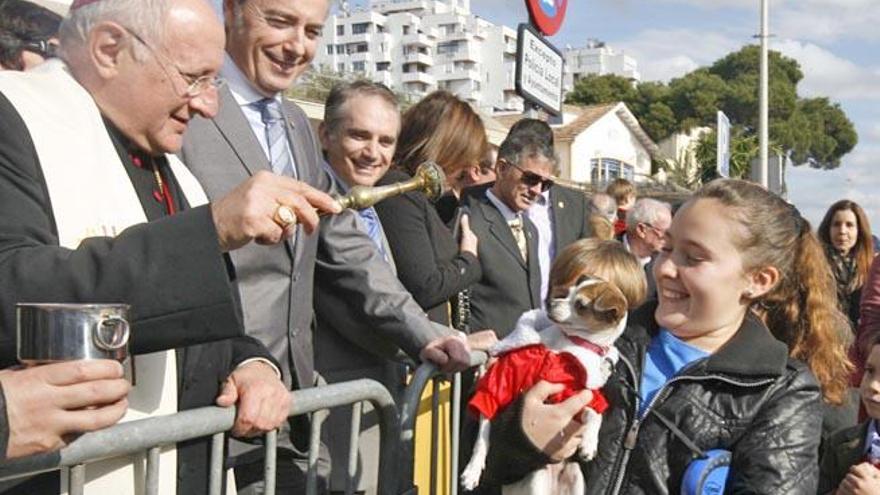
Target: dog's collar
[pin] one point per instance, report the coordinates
(586, 344)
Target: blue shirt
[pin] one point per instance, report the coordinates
(667, 355)
(369, 220)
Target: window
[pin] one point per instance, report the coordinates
(608, 169)
(340, 49)
(340, 67)
(405, 29)
(340, 30)
(358, 66)
(449, 47)
(361, 48)
(360, 28)
(448, 28)
(329, 49)
(383, 66)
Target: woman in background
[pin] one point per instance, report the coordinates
(846, 236)
(432, 264)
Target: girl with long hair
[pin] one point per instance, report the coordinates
(846, 236)
(738, 354)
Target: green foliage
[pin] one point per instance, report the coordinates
(316, 84)
(814, 131)
(594, 90)
(743, 149)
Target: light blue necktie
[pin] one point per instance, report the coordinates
(374, 228)
(276, 135)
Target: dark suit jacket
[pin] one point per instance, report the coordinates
(509, 285)
(570, 216)
(426, 255)
(170, 270)
(651, 293)
(842, 450)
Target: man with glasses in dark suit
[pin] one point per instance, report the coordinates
(508, 248)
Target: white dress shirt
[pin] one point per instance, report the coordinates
(541, 215)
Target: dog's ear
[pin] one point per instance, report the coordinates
(610, 302)
(582, 279)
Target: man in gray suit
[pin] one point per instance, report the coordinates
(269, 44)
(358, 136)
(508, 250)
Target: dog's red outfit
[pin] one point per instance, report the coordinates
(517, 371)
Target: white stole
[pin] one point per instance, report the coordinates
(92, 195)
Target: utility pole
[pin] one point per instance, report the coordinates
(760, 175)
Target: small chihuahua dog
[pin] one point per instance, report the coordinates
(581, 328)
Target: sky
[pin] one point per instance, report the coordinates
(837, 43)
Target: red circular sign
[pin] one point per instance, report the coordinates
(547, 15)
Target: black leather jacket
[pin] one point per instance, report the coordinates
(749, 397)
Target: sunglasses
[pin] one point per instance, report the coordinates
(531, 179)
(41, 47)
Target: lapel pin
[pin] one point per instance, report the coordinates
(561, 204)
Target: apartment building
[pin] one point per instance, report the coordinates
(597, 58)
(418, 46)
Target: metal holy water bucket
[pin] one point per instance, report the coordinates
(64, 332)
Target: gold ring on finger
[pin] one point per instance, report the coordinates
(284, 216)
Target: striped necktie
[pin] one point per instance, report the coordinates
(273, 120)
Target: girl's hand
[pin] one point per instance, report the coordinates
(552, 427)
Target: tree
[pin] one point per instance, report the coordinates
(743, 149)
(316, 84)
(597, 90)
(812, 131)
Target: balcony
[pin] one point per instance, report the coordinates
(467, 52)
(418, 77)
(355, 38)
(417, 39)
(419, 58)
(459, 74)
(383, 76)
(360, 57)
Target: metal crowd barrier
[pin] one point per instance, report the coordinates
(409, 408)
(152, 433)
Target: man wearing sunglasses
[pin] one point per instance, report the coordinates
(508, 248)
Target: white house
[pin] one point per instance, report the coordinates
(679, 151)
(600, 143)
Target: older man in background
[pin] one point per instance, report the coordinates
(89, 195)
(646, 225)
